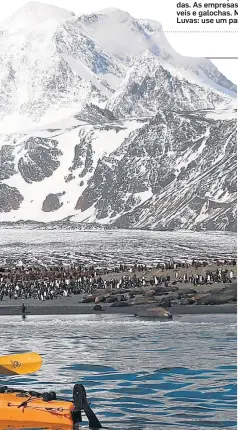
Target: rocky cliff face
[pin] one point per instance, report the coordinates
(102, 122)
(152, 84)
(177, 171)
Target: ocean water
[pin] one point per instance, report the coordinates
(107, 248)
(139, 375)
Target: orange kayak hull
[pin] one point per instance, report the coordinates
(4, 425)
(13, 409)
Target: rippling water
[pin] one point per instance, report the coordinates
(104, 248)
(138, 374)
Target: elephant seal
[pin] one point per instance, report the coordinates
(100, 299)
(226, 295)
(120, 304)
(157, 313)
(142, 300)
(88, 299)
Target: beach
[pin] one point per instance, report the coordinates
(64, 308)
(73, 305)
(180, 289)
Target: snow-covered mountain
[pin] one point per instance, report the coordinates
(152, 84)
(52, 63)
(177, 171)
(102, 122)
(31, 14)
(127, 39)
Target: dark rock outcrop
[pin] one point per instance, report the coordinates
(10, 198)
(7, 166)
(41, 159)
(52, 202)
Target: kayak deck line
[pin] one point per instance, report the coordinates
(23, 406)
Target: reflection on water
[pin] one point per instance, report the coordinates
(138, 374)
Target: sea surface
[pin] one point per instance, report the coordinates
(139, 375)
(108, 248)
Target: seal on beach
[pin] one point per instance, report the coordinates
(225, 295)
(100, 299)
(157, 313)
(120, 304)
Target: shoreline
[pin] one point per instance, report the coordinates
(177, 298)
(86, 309)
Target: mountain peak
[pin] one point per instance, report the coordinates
(115, 12)
(31, 14)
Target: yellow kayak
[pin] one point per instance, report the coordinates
(26, 409)
(30, 409)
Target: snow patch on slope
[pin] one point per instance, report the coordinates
(82, 70)
(103, 143)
